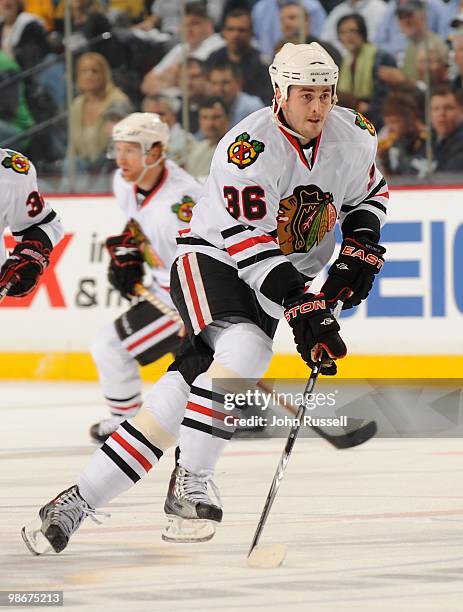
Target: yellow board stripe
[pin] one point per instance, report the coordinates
(80, 366)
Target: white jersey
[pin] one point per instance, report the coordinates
(268, 200)
(21, 205)
(161, 213)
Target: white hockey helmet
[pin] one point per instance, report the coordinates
(146, 129)
(303, 64)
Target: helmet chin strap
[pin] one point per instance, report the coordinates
(147, 167)
(276, 113)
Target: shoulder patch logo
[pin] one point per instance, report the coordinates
(243, 152)
(184, 209)
(363, 123)
(304, 218)
(16, 162)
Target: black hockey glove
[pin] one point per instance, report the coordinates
(315, 329)
(126, 266)
(24, 267)
(354, 271)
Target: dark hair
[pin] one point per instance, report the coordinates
(191, 61)
(359, 22)
(235, 69)
(197, 9)
(211, 101)
(446, 90)
(237, 12)
(400, 103)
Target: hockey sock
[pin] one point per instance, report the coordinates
(124, 406)
(123, 460)
(206, 428)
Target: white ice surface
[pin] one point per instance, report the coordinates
(377, 528)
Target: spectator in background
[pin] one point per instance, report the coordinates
(266, 22)
(412, 21)
(180, 141)
(372, 12)
(115, 112)
(237, 34)
(201, 41)
(196, 87)
(88, 22)
(165, 15)
(402, 140)
(390, 36)
(226, 82)
(214, 124)
(15, 116)
(434, 58)
(457, 45)
(22, 35)
(359, 74)
(97, 93)
(44, 9)
(447, 124)
(292, 15)
(132, 10)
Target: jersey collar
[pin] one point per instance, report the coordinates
(152, 192)
(296, 143)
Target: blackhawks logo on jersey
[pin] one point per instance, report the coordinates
(243, 151)
(184, 209)
(364, 124)
(16, 162)
(304, 218)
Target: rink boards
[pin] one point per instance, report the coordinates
(413, 314)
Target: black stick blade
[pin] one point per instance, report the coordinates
(350, 439)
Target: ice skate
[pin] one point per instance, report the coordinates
(191, 515)
(56, 522)
(101, 431)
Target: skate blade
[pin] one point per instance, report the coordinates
(34, 539)
(187, 530)
(266, 557)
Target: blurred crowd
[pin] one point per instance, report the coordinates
(206, 68)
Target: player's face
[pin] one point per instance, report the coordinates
(307, 108)
(129, 159)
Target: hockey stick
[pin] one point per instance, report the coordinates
(7, 287)
(273, 555)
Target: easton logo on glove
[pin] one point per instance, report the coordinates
(364, 255)
(304, 308)
(353, 272)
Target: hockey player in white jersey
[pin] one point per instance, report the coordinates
(33, 223)
(262, 229)
(160, 196)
